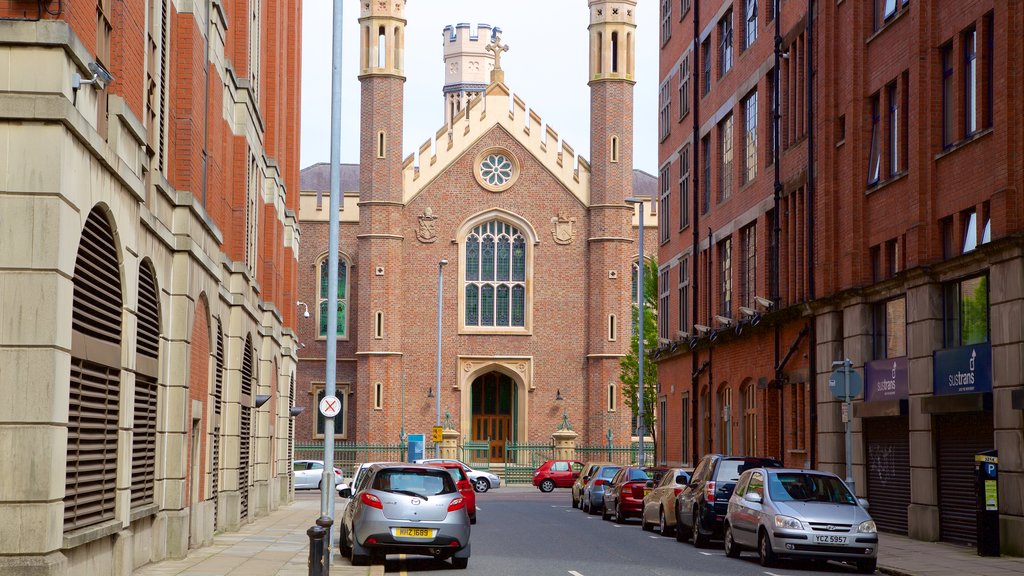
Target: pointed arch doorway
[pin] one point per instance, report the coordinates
(493, 406)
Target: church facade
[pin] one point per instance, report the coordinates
(532, 247)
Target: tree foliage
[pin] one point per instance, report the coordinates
(630, 364)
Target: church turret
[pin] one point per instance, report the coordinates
(379, 259)
(467, 65)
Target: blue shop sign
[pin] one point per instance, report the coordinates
(886, 379)
(963, 370)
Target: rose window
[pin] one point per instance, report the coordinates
(496, 169)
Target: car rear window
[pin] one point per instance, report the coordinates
(609, 472)
(637, 474)
(730, 470)
(418, 481)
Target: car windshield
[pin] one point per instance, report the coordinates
(637, 474)
(609, 472)
(803, 487)
(414, 482)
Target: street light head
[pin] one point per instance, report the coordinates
(442, 263)
(634, 200)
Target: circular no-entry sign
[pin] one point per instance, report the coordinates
(330, 406)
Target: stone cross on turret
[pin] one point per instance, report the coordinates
(497, 75)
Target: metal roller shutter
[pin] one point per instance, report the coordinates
(244, 444)
(959, 437)
(888, 467)
(218, 386)
(144, 432)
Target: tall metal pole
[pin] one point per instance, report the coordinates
(437, 397)
(640, 428)
(849, 434)
(330, 384)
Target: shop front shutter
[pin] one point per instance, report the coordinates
(218, 387)
(959, 437)
(888, 469)
(245, 429)
(146, 377)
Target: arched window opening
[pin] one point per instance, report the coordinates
(615, 52)
(146, 377)
(397, 41)
(749, 399)
(378, 396)
(342, 318)
(629, 54)
(378, 325)
(600, 53)
(615, 149)
(725, 420)
(245, 426)
(495, 276)
(613, 397)
(380, 144)
(366, 47)
(218, 393)
(382, 48)
(613, 328)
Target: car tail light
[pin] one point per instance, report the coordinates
(371, 540)
(678, 491)
(371, 501)
(600, 482)
(709, 492)
(456, 504)
(454, 544)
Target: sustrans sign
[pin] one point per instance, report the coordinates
(886, 379)
(963, 370)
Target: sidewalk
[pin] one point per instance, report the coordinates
(275, 545)
(902, 556)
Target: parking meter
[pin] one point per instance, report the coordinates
(986, 486)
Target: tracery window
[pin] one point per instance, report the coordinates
(495, 276)
(342, 298)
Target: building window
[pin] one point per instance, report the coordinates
(666, 21)
(663, 303)
(748, 396)
(342, 318)
(706, 189)
(725, 168)
(614, 149)
(748, 280)
(378, 325)
(725, 48)
(773, 100)
(990, 47)
(970, 40)
(948, 106)
(725, 277)
(613, 397)
(725, 420)
(799, 405)
(663, 209)
(889, 336)
(662, 431)
(613, 328)
(684, 432)
(969, 218)
(495, 276)
(894, 129)
(875, 154)
(684, 7)
(340, 422)
(885, 10)
(705, 421)
(665, 101)
(966, 312)
(750, 28)
(684, 187)
(378, 396)
(380, 145)
(750, 138)
(684, 294)
(684, 86)
(705, 52)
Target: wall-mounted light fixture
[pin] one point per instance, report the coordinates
(100, 78)
(305, 313)
(260, 400)
(296, 410)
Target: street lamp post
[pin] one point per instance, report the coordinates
(437, 398)
(640, 336)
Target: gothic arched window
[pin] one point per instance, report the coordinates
(495, 268)
(322, 293)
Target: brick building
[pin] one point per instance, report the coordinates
(148, 273)
(904, 243)
(539, 244)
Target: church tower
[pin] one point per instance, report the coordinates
(613, 242)
(467, 66)
(379, 266)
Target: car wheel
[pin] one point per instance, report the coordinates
(681, 535)
(731, 549)
(343, 548)
(460, 563)
(663, 527)
(575, 501)
(585, 504)
(547, 485)
(359, 555)
(620, 518)
(699, 539)
(764, 550)
(472, 519)
(867, 566)
(605, 514)
(643, 523)
(481, 485)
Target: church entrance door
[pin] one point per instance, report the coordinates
(493, 401)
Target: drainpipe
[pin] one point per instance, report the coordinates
(695, 217)
(775, 219)
(206, 102)
(811, 340)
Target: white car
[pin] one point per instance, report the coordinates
(482, 480)
(309, 474)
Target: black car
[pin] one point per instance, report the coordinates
(702, 504)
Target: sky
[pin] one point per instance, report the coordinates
(546, 66)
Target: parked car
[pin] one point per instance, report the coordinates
(357, 472)
(800, 513)
(405, 509)
(556, 474)
(482, 480)
(463, 484)
(581, 481)
(593, 491)
(310, 473)
(660, 503)
(624, 495)
(701, 506)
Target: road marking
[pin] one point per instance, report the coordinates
(773, 574)
(655, 537)
(709, 554)
(575, 573)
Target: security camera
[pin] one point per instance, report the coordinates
(764, 302)
(682, 335)
(100, 77)
(725, 321)
(692, 342)
(748, 312)
(702, 329)
(713, 336)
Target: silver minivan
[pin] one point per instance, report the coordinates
(788, 513)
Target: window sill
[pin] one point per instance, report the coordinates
(683, 116)
(841, 142)
(683, 228)
(324, 338)
(888, 23)
(143, 511)
(883, 183)
(77, 538)
(963, 143)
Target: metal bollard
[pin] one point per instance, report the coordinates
(316, 557)
(326, 523)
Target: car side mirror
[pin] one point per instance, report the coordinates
(345, 492)
(753, 497)
(863, 503)
(586, 478)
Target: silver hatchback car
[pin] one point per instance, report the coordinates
(799, 514)
(405, 509)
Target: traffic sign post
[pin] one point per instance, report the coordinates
(846, 384)
(437, 434)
